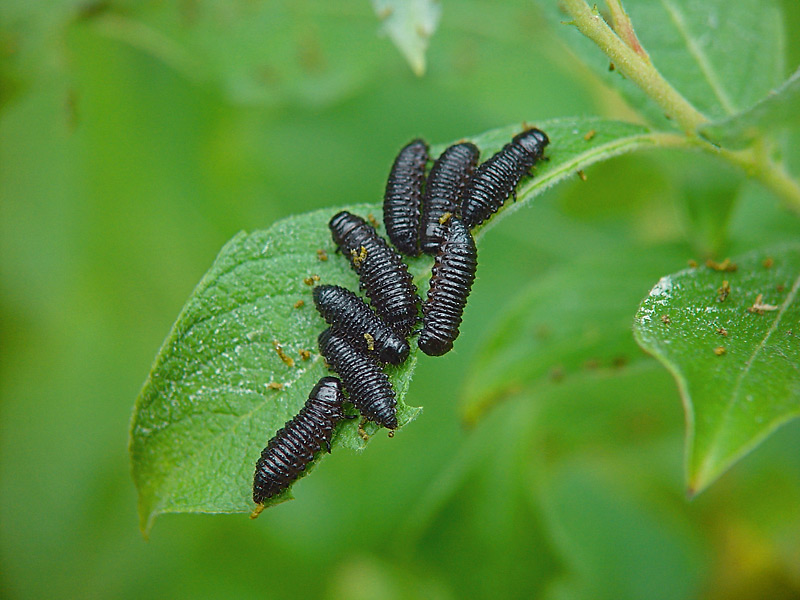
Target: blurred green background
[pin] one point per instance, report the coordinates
(137, 138)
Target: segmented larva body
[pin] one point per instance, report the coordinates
(401, 201)
(293, 447)
(452, 279)
(495, 180)
(382, 273)
(444, 191)
(368, 387)
(350, 316)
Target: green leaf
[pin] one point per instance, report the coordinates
(780, 109)
(209, 407)
(736, 362)
(410, 24)
(573, 320)
(261, 53)
(691, 44)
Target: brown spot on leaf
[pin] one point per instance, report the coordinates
(726, 265)
(723, 291)
(288, 360)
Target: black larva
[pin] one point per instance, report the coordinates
(295, 444)
(495, 180)
(353, 319)
(401, 201)
(383, 275)
(453, 275)
(444, 191)
(368, 386)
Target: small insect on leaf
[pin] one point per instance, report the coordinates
(288, 360)
(293, 448)
(722, 331)
(692, 263)
(726, 265)
(723, 291)
(665, 320)
(274, 385)
(759, 307)
(304, 354)
(719, 350)
(299, 304)
(322, 255)
(589, 135)
(582, 176)
(768, 262)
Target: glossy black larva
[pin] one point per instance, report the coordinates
(293, 447)
(494, 180)
(353, 319)
(453, 275)
(368, 387)
(383, 275)
(444, 191)
(401, 201)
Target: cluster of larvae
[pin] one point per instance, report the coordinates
(433, 215)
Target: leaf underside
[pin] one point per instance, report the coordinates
(218, 389)
(735, 357)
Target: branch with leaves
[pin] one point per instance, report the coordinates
(218, 386)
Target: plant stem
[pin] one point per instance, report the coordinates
(771, 175)
(631, 59)
(634, 66)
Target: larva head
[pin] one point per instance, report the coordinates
(328, 391)
(532, 140)
(394, 351)
(433, 345)
(342, 224)
(323, 294)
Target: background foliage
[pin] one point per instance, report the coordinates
(137, 138)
